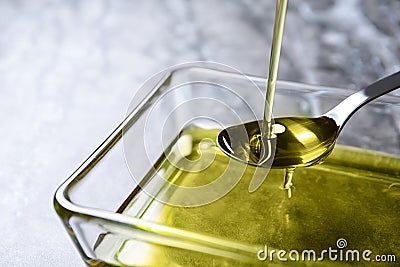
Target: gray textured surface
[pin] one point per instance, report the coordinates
(69, 68)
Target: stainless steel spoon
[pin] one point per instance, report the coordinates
(299, 141)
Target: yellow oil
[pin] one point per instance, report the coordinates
(305, 141)
(354, 194)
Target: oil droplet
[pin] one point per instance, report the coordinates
(287, 181)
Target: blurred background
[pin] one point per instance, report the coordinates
(69, 68)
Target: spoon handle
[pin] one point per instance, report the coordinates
(342, 112)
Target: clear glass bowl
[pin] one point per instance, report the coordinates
(117, 208)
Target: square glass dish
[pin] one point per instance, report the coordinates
(159, 192)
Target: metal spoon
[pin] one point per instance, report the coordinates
(299, 141)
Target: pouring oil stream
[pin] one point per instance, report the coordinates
(267, 134)
(266, 130)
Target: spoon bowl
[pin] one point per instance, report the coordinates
(299, 141)
(302, 141)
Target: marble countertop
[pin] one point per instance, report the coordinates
(69, 68)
